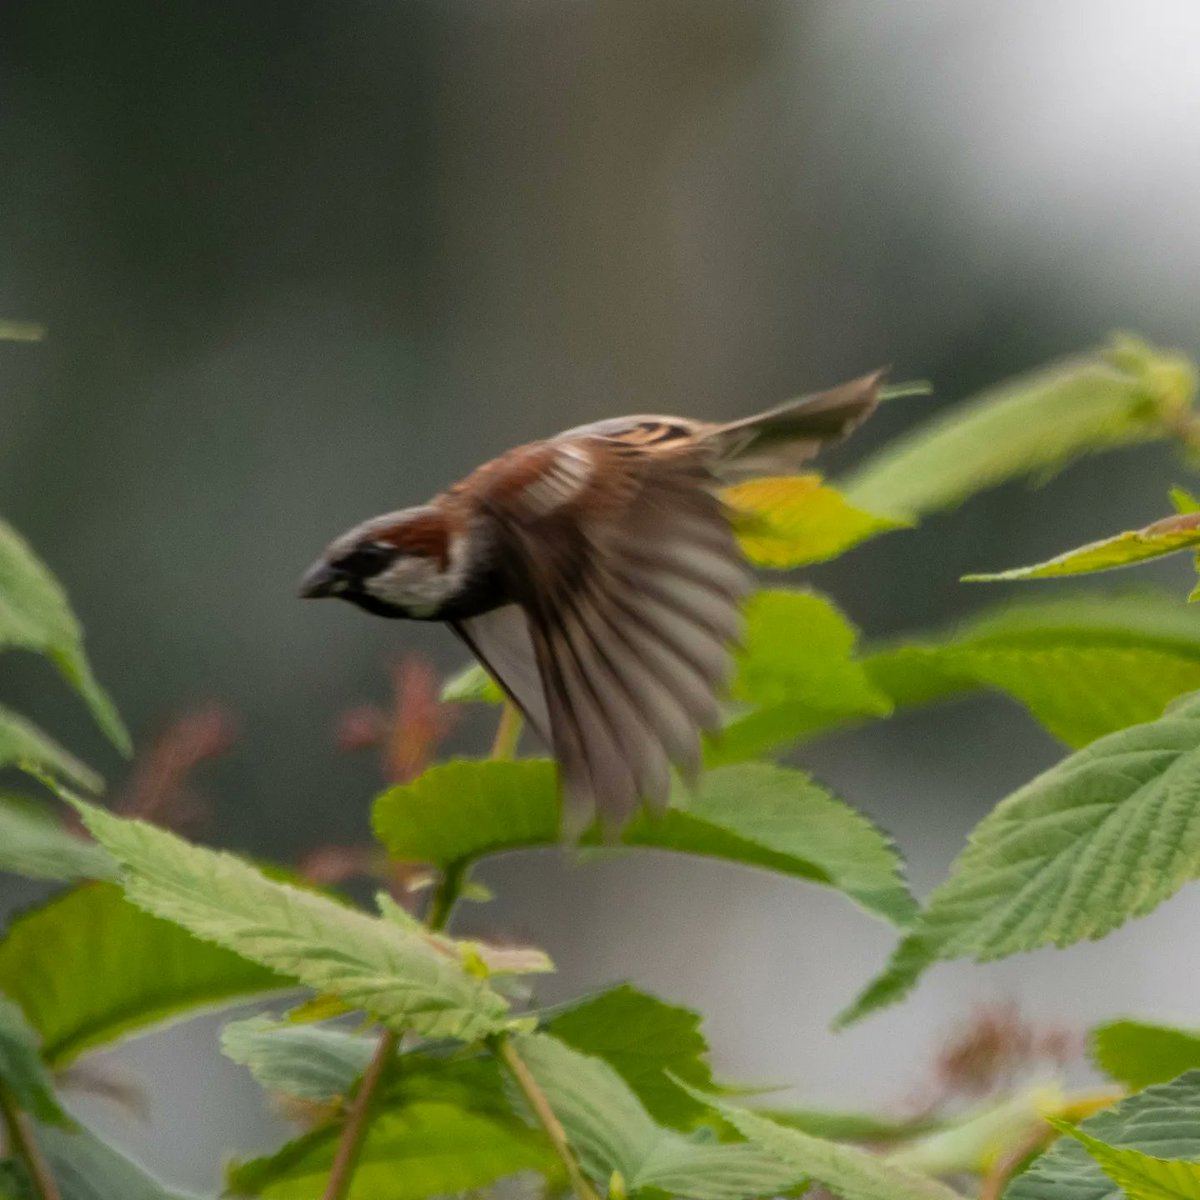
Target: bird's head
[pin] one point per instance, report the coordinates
(402, 564)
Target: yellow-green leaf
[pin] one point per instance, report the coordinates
(789, 520)
(88, 969)
(1183, 501)
(797, 673)
(1138, 1054)
(472, 685)
(1168, 536)
(420, 1150)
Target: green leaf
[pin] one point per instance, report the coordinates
(85, 1168)
(35, 615)
(309, 1062)
(1107, 834)
(610, 1130)
(89, 968)
(460, 811)
(909, 961)
(323, 1065)
(1183, 501)
(1142, 1176)
(757, 814)
(1168, 536)
(25, 746)
(642, 1038)
(1162, 1121)
(639, 1035)
(23, 1076)
(472, 685)
(1032, 425)
(788, 685)
(775, 817)
(852, 1173)
(34, 842)
(480, 958)
(397, 975)
(1084, 666)
(424, 1149)
(1138, 1055)
(790, 520)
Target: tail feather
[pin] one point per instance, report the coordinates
(783, 438)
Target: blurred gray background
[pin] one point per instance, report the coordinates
(303, 263)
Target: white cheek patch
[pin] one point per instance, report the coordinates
(419, 585)
(563, 480)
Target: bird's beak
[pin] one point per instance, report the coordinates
(321, 580)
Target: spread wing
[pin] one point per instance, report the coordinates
(627, 574)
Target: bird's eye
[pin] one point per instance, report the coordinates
(367, 559)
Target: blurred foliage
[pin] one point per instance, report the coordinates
(1124, 393)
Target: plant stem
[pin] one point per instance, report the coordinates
(446, 895)
(504, 1048)
(507, 732)
(358, 1120)
(24, 1148)
(454, 877)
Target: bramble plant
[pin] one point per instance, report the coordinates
(415, 1060)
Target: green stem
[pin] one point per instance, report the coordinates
(502, 1046)
(441, 907)
(24, 1148)
(358, 1120)
(446, 895)
(454, 877)
(453, 880)
(508, 732)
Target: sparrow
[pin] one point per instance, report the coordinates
(597, 577)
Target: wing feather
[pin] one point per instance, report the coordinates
(631, 584)
(597, 775)
(659, 725)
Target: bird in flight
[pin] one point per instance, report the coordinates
(597, 577)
